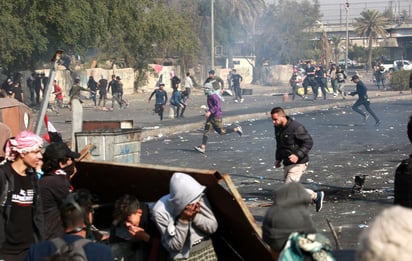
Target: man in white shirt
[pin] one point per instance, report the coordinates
(188, 84)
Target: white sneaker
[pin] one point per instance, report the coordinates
(236, 101)
(239, 130)
(200, 149)
(241, 100)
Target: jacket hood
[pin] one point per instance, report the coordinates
(288, 214)
(291, 196)
(183, 190)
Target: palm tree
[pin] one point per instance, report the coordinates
(371, 25)
(238, 15)
(337, 42)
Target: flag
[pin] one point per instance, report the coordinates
(52, 134)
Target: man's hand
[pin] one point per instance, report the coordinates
(138, 233)
(207, 114)
(190, 212)
(293, 158)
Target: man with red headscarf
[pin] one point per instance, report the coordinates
(21, 219)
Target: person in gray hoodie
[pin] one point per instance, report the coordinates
(185, 220)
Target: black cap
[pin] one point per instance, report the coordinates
(59, 150)
(355, 77)
(212, 72)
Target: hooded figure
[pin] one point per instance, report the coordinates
(289, 213)
(185, 219)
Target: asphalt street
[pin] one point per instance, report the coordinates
(344, 146)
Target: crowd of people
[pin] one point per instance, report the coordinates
(12, 87)
(43, 216)
(98, 91)
(317, 77)
(179, 98)
(37, 83)
(306, 75)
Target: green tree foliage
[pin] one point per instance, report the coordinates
(400, 80)
(32, 30)
(74, 25)
(21, 34)
(371, 24)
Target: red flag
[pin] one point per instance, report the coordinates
(52, 134)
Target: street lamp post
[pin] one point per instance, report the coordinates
(212, 37)
(347, 36)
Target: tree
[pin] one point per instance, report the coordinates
(285, 31)
(371, 24)
(232, 20)
(237, 18)
(31, 31)
(140, 30)
(21, 35)
(337, 41)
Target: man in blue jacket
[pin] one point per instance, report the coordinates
(363, 99)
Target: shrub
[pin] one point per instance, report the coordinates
(400, 80)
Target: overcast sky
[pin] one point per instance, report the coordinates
(333, 11)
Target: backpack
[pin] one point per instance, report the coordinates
(75, 251)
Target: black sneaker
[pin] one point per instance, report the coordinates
(319, 200)
(377, 123)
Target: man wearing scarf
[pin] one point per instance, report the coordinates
(21, 220)
(58, 167)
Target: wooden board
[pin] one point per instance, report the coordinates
(237, 237)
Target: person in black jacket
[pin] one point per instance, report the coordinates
(58, 167)
(363, 99)
(403, 177)
(293, 143)
(21, 219)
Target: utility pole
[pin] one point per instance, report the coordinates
(45, 102)
(212, 37)
(347, 36)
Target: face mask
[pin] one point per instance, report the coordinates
(70, 170)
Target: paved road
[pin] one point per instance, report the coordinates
(344, 147)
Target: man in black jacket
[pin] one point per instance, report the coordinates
(293, 143)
